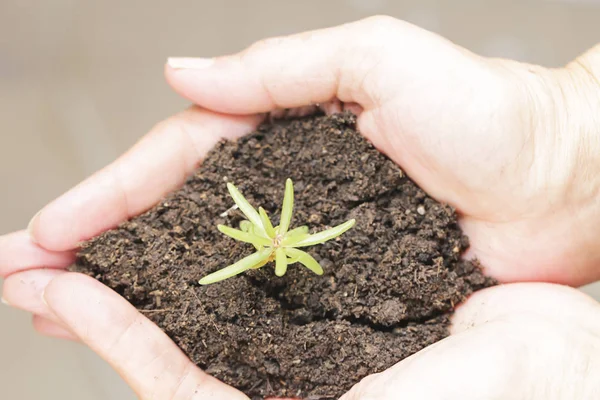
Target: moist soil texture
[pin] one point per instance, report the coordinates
(389, 287)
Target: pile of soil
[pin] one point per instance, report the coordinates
(389, 286)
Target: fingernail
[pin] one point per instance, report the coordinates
(4, 301)
(30, 226)
(189, 62)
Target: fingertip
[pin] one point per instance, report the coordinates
(18, 253)
(32, 227)
(38, 235)
(51, 229)
(224, 89)
(24, 290)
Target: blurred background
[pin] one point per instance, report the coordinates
(81, 81)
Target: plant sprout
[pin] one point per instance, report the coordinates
(279, 243)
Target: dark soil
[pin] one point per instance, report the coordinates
(389, 286)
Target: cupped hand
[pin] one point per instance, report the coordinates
(487, 136)
(73, 306)
(512, 146)
(529, 341)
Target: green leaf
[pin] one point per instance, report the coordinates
(301, 230)
(287, 208)
(305, 259)
(280, 262)
(245, 226)
(261, 264)
(246, 208)
(266, 222)
(234, 269)
(246, 237)
(294, 236)
(325, 235)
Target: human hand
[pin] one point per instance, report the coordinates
(529, 341)
(72, 306)
(517, 341)
(422, 100)
(512, 146)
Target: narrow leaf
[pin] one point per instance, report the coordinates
(325, 235)
(246, 237)
(266, 222)
(245, 207)
(245, 226)
(248, 227)
(287, 208)
(305, 259)
(234, 269)
(294, 236)
(280, 262)
(301, 230)
(290, 241)
(261, 264)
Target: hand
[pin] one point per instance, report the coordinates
(72, 306)
(520, 341)
(512, 146)
(422, 100)
(75, 306)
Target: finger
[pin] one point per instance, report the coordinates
(146, 358)
(159, 163)
(24, 290)
(545, 300)
(50, 328)
(499, 351)
(472, 366)
(18, 253)
(307, 68)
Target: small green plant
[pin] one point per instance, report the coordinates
(277, 244)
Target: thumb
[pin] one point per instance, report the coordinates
(520, 341)
(136, 348)
(348, 62)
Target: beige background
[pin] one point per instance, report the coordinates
(80, 81)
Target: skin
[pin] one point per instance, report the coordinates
(512, 146)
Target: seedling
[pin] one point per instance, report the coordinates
(277, 244)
